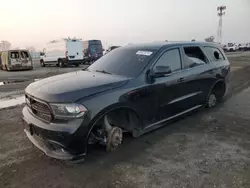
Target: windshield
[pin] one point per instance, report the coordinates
(123, 61)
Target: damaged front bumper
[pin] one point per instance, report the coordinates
(57, 143)
(50, 148)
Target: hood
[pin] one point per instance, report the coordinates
(73, 86)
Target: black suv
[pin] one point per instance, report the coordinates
(136, 88)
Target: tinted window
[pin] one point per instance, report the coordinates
(194, 57)
(170, 58)
(123, 61)
(98, 42)
(214, 53)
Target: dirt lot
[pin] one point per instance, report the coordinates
(211, 148)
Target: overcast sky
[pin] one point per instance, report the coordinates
(118, 22)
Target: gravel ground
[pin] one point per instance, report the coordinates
(210, 148)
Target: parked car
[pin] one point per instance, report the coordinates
(243, 47)
(137, 88)
(248, 46)
(63, 53)
(230, 47)
(16, 60)
(93, 50)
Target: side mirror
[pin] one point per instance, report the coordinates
(161, 71)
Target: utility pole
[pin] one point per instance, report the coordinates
(221, 12)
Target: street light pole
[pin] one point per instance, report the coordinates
(221, 12)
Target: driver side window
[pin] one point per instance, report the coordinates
(170, 58)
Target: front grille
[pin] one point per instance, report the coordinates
(39, 109)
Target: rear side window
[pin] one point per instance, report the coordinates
(170, 58)
(194, 57)
(214, 53)
(14, 55)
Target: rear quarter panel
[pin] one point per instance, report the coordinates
(221, 68)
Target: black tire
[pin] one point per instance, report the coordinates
(42, 63)
(60, 63)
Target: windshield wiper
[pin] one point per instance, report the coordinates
(103, 71)
(85, 69)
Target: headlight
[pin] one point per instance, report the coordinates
(67, 111)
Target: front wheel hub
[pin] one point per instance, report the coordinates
(114, 138)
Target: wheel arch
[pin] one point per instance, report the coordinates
(216, 85)
(107, 110)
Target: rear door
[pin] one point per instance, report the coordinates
(168, 92)
(15, 59)
(75, 50)
(197, 75)
(95, 48)
(26, 59)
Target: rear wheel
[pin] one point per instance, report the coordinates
(7, 68)
(216, 95)
(60, 63)
(42, 63)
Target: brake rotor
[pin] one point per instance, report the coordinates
(114, 138)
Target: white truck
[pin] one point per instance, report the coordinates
(63, 52)
(230, 47)
(244, 47)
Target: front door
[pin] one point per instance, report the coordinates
(168, 91)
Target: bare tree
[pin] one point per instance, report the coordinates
(5, 45)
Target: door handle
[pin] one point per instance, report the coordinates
(181, 79)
